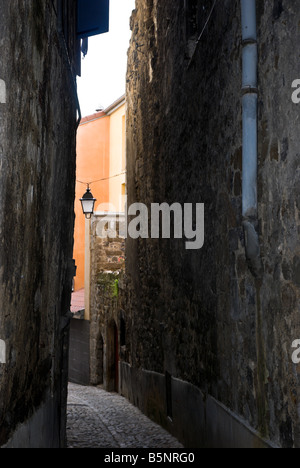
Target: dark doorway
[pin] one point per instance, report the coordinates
(113, 358)
(100, 360)
(116, 358)
(122, 332)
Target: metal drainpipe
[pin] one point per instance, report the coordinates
(250, 152)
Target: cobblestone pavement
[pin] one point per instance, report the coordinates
(97, 419)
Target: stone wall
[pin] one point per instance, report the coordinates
(37, 160)
(107, 266)
(79, 351)
(201, 315)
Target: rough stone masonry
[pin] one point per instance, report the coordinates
(37, 173)
(210, 344)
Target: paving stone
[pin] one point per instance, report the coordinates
(97, 419)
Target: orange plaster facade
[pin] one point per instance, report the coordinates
(93, 164)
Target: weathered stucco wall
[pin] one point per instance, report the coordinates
(37, 160)
(201, 315)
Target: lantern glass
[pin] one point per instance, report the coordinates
(88, 203)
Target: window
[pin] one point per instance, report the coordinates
(123, 143)
(191, 25)
(197, 16)
(191, 12)
(123, 201)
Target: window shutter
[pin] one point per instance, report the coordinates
(92, 17)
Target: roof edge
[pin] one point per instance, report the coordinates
(115, 105)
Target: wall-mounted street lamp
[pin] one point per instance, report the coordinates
(88, 203)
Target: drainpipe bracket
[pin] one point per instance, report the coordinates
(249, 90)
(246, 42)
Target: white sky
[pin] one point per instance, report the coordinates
(103, 70)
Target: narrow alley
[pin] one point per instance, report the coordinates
(97, 419)
(150, 226)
